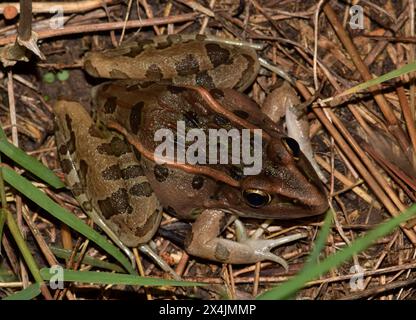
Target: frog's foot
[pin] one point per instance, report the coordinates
(205, 242)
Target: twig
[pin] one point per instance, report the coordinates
(49, 33)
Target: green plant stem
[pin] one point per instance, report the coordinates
(27, 255)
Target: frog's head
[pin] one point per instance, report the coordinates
(287, 186)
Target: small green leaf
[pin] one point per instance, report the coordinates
(63, 75)
(49, 77)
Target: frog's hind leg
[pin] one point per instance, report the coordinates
(204, 242)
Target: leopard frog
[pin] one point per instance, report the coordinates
(110, 164)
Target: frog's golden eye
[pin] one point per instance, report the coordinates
(256, 198)
(292, 146)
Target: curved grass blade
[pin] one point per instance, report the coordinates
(25, 187)
(28, 162)
(307, 274)
(320, 240)
(385, 77)
(114, 278)
(29, 293)
(66, 254)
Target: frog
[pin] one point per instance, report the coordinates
(111, 165)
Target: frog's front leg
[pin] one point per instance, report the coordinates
(204, 242)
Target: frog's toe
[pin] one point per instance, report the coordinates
(261, 248)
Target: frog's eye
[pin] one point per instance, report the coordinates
(256, 198)
(292, 146)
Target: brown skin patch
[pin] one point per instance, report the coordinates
(116, 147)
(217, 93)
(117, 203)
(66, 166)
(132, 172)
(154, 73)
(175, 89)
(161, 173)
(110, 105)
(136, 117)
(221, 252)
(112, 173)
(95, 132)
(63, 149)
(249, 70)
(143, 189)
(203, 79)
(148, 226)
(217, 55)
(72, 138)
(118, 74)
(241, 114)
(197, 182)
(187, 66)
(91, 69)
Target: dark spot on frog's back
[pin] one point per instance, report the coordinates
(161, 173)
(197, 182)
(66, 166)
(136, 117)
(110, 105)
(187, 66)
(154, 73)
(116, 147)
(217, 55)
(143, 189)
(203, 79)
(117, 203)
(63, 149)
(132, 172)
(241, 114)
(111, 173)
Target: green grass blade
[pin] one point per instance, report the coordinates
(26, 187)
(307, 274)
(389, 75)
(114, 278)
(26, 294)
(29, 163)
(321, 239)
(66, 254)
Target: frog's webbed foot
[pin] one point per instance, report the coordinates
(205, 242)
